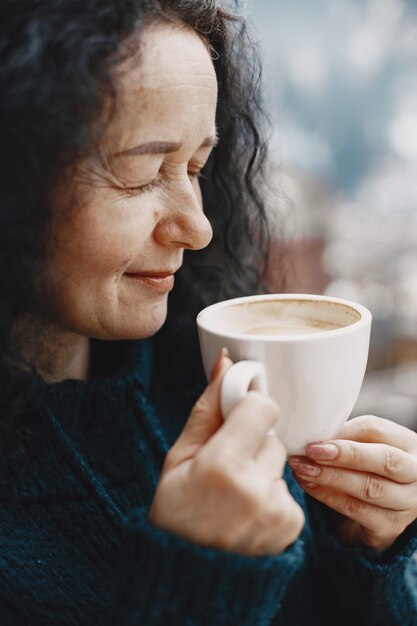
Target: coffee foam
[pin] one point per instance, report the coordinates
(291, 326)
(293, 316)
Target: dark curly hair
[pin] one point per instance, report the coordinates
(58, 58)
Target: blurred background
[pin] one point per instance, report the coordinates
(340, 81)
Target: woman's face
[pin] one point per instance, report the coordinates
(138, 201)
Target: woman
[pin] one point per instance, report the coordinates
(125, 499)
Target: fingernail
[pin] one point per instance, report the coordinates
(303, 467)
(304, 483)
(218, 365)
(322, 451)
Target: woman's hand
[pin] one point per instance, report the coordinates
(368, 475)
(221, 484)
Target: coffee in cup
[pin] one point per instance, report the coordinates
(290, 327)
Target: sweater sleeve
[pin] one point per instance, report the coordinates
(357, 585)
(165, 579)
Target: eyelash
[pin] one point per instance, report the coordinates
(156, 184)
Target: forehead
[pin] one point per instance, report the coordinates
(170, 77)
(168, 51)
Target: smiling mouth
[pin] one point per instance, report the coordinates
(158, 281)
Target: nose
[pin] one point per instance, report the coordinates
(182, 222)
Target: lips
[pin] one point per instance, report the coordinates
(162, 281)
(151, 274)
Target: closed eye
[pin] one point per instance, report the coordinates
(157, 183)
(133, 191)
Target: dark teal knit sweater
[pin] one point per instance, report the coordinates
(76, 547)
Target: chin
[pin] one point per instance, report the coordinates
(129, 324)
(145, 327)
(142, 333)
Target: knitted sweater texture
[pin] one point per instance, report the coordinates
(76, 546)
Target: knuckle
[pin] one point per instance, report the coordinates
(201, 406)
(392, 462)
(373, 488)
(354, 506)
(372, 425)
(353, 455)
(170, 459)
(330, 476)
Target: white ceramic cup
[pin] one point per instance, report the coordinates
(314, 375)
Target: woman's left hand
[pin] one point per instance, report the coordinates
(368, 475)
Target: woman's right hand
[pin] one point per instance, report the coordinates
(221, 485)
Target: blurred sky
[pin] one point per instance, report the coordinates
(341, 81)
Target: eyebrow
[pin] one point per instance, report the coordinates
(163, 147)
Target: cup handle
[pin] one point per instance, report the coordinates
(237, 381)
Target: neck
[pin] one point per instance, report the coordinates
(75, 362)
(69, 358)
(58, 355)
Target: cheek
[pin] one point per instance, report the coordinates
(93, 250)
(86, 289)
(84, 281)
(95, 246)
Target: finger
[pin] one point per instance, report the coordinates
(271, 457)
(371, 429)
(379, 520)
(246, 426)
(353, 534)
(205, 418)
(376, 458)
(367, 487)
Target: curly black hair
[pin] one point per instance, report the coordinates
(58, 58)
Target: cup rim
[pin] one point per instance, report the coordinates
(364, 320)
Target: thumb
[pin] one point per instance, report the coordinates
(205, 418)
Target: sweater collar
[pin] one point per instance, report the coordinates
(117, 368)
(86, 411)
